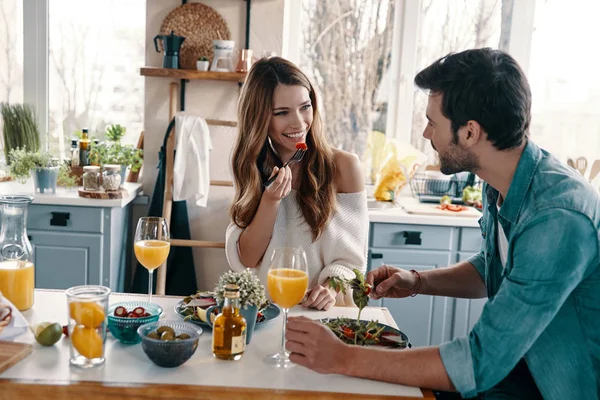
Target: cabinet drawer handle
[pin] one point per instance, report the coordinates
(412, 237)
(59, 218)
(376, 256)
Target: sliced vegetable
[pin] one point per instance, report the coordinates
(121, 312)
(139, 311)
(301, 146)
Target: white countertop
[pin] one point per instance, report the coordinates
(394, 214)
(127, 364)
(69, 197)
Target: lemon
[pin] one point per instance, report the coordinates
(201, 314)
(47, 333)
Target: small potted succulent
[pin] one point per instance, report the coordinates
(202, 64)
(41, 166)
(252, 295)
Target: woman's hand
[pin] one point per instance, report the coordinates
(320, 298)
(281, 186)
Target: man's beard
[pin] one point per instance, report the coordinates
(455, 160)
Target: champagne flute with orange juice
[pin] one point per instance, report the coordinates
(151, 245)
(287, 282)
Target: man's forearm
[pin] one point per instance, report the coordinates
(460, 280)
(421, 367)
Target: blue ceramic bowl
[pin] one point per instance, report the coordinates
(124, 329)
(170, 353)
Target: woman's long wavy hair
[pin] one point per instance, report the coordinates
(253, 158)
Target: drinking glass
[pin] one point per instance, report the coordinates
(151, 245)
(87, 307)
(287, 282)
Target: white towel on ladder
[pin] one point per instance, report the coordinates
(191, 179)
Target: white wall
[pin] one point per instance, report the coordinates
(210, 99)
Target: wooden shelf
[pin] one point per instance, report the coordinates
(192, 74)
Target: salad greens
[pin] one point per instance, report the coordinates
(357, 332)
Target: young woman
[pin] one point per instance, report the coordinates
(318, 204)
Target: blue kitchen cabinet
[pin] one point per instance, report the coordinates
(75, 245)
(427, 320)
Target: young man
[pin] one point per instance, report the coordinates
(539, 263)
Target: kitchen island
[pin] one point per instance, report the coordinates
(128, 373)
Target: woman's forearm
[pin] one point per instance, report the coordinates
(255, 238)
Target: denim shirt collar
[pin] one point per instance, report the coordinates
(519, 186)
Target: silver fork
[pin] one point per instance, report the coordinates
(296, 157)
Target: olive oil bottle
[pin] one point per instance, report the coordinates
(229, 327)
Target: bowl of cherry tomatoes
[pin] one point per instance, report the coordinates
(126, 317)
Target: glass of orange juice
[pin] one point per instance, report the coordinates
(151, 245)
(287, 282)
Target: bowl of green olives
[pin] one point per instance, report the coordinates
(169, 343)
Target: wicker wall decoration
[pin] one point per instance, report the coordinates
(200, 25)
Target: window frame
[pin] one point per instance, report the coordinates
(35, 62)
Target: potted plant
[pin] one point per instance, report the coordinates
(252, 295)
(66, 178)
(40, 166)
(113, 152)
(19, 127)
(202, 64)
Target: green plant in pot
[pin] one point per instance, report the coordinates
(66, 178)
(113, 152)
(41, 166)
(19, 128)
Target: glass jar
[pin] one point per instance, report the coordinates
(16, 253)
(91, 177)
(111, 177)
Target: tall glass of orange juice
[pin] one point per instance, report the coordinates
(16, 253)
(287, 282)
(151, 245)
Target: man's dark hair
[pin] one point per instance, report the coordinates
(486, 86)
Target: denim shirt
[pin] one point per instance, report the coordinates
(545, 305)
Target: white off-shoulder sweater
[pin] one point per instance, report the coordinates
(341, 248)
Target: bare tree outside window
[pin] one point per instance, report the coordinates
(95, 48)
(348, 48)
(347, 52)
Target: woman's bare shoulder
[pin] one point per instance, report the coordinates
(349, 174)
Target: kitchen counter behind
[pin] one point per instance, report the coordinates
(69, 197)
(393, 213)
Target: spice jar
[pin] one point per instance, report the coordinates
(91, 177)
(111, 177)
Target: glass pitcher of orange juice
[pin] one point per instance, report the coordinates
(16, 254)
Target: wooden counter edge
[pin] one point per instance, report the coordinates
(37, 390)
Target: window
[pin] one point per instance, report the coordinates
(362, 56)
(563, 73)
(11, 51)
(347, 55)
(89, 42)
(11, 57)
